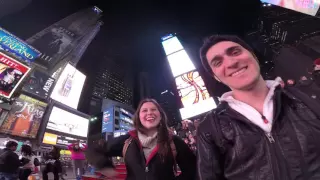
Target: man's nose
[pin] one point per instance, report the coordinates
(231, 62)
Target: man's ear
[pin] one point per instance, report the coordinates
(216, 78)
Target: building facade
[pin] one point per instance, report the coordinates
(60, 42)
(168, 102)
(111, 81)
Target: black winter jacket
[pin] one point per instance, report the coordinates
(9, 161)
(138, 168)
(230, 147)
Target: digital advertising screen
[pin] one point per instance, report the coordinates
(191, 88)
(66, 122)
(54, 139)
(39, 84)
(126, 118)
(309, 7)
(172, 45)
(194, 95)
(16, 46)
(180, 63)
(108, 120)
(24, 118)
(118, 133)
(197, 109)
(69, 87)
(50, 138)
(12, 73)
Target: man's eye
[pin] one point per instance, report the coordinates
(236, 52)
(216, 63)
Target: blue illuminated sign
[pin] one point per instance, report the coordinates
(16, 46)
(108, 120)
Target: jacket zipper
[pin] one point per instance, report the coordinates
(269, 137)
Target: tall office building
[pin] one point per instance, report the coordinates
(278, 35)
(168, 102)
(112, 81)
(144, 85)
(8, 7)
(66, 40)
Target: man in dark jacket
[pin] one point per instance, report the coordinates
(259, 131)
(9, 162)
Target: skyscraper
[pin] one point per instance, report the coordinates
(168, 102)
(112, 81)
(60, 42)
(144, 85)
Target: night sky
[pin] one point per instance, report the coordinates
(132, 29)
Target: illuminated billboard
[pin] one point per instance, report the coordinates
(108, 120)
(12, 73)
(66, 122)
(310, 7)
(16, 46)
(69, 87)
(194, 95)
(24, 118)
(39, 84)
(180, 63)
(191, 88)
(172, 45)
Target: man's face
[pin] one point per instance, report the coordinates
(13, 148)
(233, 65)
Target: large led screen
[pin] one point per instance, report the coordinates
(197, 109)
(310, 7)
(180, 63)
(172, 45)
(69, 87)
(191, 88)
(14, 45)
(108, 120)
(12, 73)
(24, 118)
(39, 84)
(67, 122)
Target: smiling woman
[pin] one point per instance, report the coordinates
(152, 146)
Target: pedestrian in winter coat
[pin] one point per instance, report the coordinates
(9, 162)
(78, 158)
(151, 151)
(27, 169)
(259, 131)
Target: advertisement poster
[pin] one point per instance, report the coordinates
(39, 84)
(50, 138)
(24, 118)
(69, 87)
(16, 46)
(66, 122)
(191, 88)
(12, 73)
(54, 43)
(309, 7)
(107, 120)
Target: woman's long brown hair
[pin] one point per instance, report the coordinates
(163, 132)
